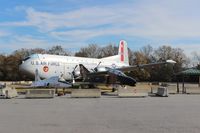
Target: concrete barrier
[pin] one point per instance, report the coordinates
(193, 90)
(86, 93)
(172, 89)
(162, 91)
(128, 91)
(144, 87)
(154, 88)
(8, 92)
(40, 93)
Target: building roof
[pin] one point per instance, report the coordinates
(190, 72)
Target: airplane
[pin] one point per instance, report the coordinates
(54, 81)
(110, 76)
(55, 65)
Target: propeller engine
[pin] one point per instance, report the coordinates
(99, 69)
(74, 74)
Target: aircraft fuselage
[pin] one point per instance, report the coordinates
(55, 65)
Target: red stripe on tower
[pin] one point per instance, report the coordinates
(122, 50)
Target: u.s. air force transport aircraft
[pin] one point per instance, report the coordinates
(56, 65)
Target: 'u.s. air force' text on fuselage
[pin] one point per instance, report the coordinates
(45, 63)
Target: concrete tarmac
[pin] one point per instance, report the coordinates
(173, 114)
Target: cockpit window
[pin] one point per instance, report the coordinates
(26, 58)
(34, 56)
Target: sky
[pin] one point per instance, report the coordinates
(76, 23)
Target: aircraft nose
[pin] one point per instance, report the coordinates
(24, 69)
(21, 67)
(132, 81)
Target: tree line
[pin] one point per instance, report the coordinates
(9, 64)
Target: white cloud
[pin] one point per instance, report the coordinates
(83, 35)
(153, 19)
(4, 33)
(143, 19)
(17, 42)
(82, 18)
(31, 42)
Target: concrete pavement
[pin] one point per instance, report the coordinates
(173, 114)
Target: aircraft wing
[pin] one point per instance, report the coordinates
(98, 73)
(131, 68)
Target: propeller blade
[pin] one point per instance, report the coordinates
(75, 67)
(95, 69)
(73, 72)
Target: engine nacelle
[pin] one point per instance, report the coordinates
(101, 69)
(77, 73)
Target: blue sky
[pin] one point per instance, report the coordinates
(74, 24)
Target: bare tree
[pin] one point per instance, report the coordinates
(92, 51)
(147, 50)
(2, 66)
(109, 50)
(164, 53)
(57, 50)
(137, 59)
(22, 53)
(196, 57)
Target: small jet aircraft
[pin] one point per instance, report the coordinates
(54, 81)
(109, 76)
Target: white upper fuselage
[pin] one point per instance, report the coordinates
(56, 65)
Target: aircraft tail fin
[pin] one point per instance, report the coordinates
(122, 56)
(123, 52)
(83, 70)
(37, 77)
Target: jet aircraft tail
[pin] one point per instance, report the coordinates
(83, 71)
(122, 54)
